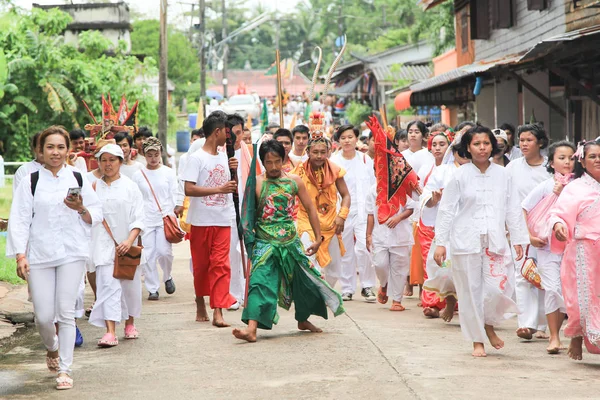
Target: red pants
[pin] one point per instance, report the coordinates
(426, 236)
(210, 256)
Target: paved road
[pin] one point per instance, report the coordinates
(367, 353)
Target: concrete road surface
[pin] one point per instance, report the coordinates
(368, 353)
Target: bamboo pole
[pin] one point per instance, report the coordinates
(279, 91)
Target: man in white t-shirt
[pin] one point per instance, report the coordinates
(208, 184)
(300, 141)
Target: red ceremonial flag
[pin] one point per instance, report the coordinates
(122, 113)
(395, 177)
(105, 109)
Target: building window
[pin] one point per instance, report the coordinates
(464, 31)
(502, 14)
(537, 5)
(480, 19)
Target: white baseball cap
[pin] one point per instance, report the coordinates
(113, 149)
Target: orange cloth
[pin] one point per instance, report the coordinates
(322, 190)
(416, 260)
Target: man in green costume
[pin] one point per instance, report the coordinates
(281, 270)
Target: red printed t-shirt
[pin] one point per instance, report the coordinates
(207, 170)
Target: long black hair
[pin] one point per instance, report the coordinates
(579, 169)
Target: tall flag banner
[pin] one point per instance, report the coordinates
(122, 114)
(131, 118)
(248, 217)
(264, 117)
(395, 177)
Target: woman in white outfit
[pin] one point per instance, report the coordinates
(526, 173)
(477, 205)
(48, 234)
(157, 248)
(561, 164)
(118, 299)
(359, 178)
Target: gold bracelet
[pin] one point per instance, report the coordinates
(343, 214)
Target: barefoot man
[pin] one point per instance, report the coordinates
(208, 184)
(281, 270)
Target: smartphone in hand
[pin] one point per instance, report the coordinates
(75, 191)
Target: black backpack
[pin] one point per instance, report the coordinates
(35, 177)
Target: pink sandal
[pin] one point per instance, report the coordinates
(108, 340)
(52, 363)
(131, 332)
(64, 382)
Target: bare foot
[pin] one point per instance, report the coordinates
(201, 314)
(448, 312)
(541, 335)
(408, 290)
(431, 312)
(308, 326)
(576, 348)
(218, 320)
(554, 346)
(524, 333)
(419, 304)
(245, 334)
(478, 350)
(495, 341)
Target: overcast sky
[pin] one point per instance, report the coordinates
(176, 8)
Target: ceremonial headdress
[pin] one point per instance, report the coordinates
(113, 121)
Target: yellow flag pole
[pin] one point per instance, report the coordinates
(279, 92)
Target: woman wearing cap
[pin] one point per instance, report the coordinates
(48, 234)
(118, 299)
(502, 138)
(157, 180)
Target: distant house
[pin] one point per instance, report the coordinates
(111, 19)
(256, 81)
(152, 84)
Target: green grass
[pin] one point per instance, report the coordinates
(5, 199)
(8, 270)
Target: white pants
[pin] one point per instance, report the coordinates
(392, 265)
(549, 270)
(54, 292)
(356, 258)
(79, 306)
(157, 250)
(480, 281)
(237, 286)
(118, 299)
(529, 298)
(333, 271)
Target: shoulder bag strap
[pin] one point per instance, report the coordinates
(152, 190)
(105, 225)
(79, 178)
(35, 177)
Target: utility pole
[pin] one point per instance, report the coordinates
(202, 50)
(162, 80)
(225, 50)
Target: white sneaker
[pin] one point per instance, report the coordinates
(369, 295)
(234, 307)
(347, 296)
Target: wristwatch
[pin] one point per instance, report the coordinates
(82, 212)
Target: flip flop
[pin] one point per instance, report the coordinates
(382, 296)
(64, 382)
(397, 307)
(554, 350)
(524, 333)
(108, 340)
(131, 332)
(52, 363)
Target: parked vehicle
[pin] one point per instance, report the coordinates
(242, 104)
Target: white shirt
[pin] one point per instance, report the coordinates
(514, 153)
(25, 170)
(164, 183)
(44, 228)
(208, 170)
(80, 165)
(297, 159)
(401, 235)
(91, 177)
(121, 210)
(130, 170)
(525, 177)
(476, 204)
(180, 196)
(359, 177)
(541, 191)
(419, 158)
(438, 180)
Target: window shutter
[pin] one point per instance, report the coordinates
(502, 14)
(537, 5)
(480, 19)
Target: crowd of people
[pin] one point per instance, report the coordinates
(492, 230)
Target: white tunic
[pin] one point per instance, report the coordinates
(383, 236)
(25, 170)
(130, 170)
(476, 204)
(164, 183)
(525, 177)
(419, 158)
(121, 209)
(359, 178)
(438, 180)
(43, 226)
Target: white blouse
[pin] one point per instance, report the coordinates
(121, 209)
(24, 171)
(475, 204)
(438, 180)
(359, 178)
(164, 183)
(44, 228)
(383, 236)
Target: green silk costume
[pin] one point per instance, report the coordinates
(281, 272)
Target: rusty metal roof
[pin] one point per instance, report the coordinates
(547, 46)
(395, 73)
